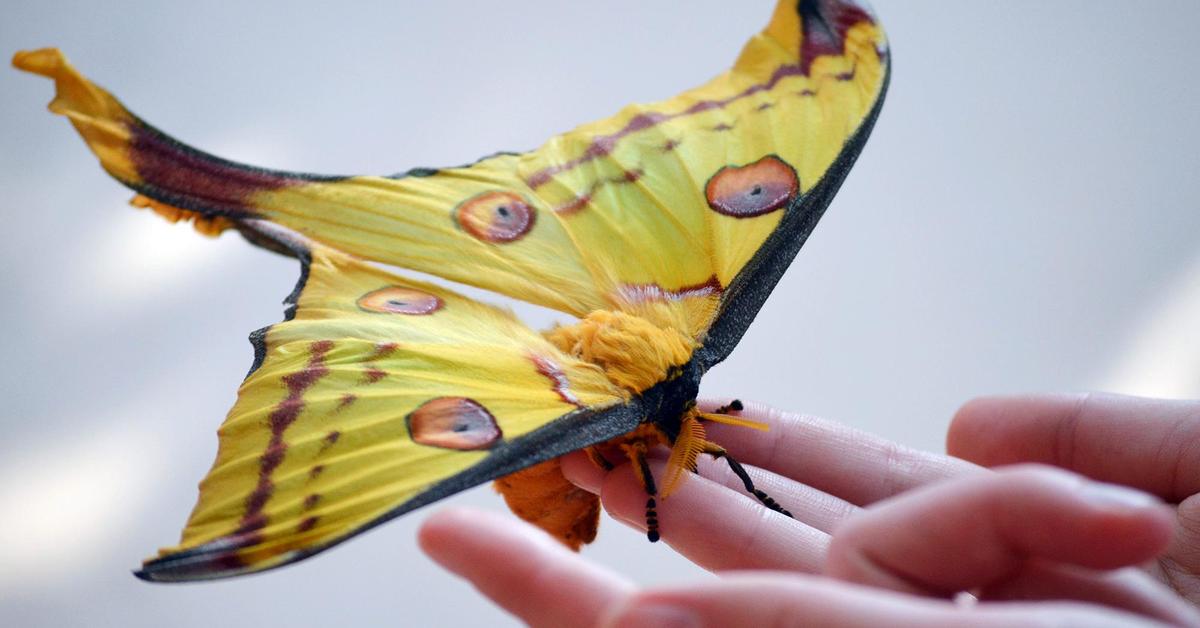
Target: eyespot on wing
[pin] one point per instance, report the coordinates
(453, 423)
(398, 300)
(752, 190)
(497, 217)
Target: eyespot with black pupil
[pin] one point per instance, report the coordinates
(399, 300)
(453, 423)
(498, 217)
(762, 187)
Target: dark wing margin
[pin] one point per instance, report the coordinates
(748, 291)
(278, 240)
(570, 432)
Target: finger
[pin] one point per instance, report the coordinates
(715, 527)
(993, 525)
(582, 472)
(795, 600)
(1130, 589)
(1150, 444)
(847, 463)
(521, 568)
(1179, 567)
(808, 505)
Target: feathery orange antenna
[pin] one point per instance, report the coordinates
(735, 420)
(689, 444)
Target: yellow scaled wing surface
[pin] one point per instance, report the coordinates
(376, 389)
(661, 203)
(662, 228)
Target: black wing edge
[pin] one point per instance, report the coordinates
(568, 433)
(573, 431)
(266, 235)
(740, 304)
(749, 290)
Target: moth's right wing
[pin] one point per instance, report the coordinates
(379, 394)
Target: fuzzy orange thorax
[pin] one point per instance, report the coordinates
(634, 353)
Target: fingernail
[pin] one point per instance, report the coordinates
(653, 615)
(1102, 494)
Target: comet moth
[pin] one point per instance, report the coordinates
(661, 230)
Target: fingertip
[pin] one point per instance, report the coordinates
(995, 430)
(972, 418)
(582, 472)
(623, 496)
(1098, 525)
(440, 527)
(479, 533)
(446, 536)
(446, 519)
(1140, 524)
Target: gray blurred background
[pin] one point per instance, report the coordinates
(1023, 219)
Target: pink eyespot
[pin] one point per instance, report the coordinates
(397, 300)
(497, 217)
(453, 423)
(759, 188)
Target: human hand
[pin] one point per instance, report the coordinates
(854, 469)
(1149, 444)
(980, 522)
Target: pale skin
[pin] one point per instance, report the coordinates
(1062, 510)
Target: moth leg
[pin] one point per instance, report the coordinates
(717, 451)
(637, 453)
(732, 406)
(598, 458)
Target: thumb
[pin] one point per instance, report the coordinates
(971, 531)
(1022, 529)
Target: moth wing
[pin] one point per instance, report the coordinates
(672, 210)
(685, 212)
(696, 205)
(378, 395)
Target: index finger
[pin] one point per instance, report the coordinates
(851, 464)
(1150, 444)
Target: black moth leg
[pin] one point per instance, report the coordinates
(647, 479)
(598, 458)
(732, 406)
(738, 470)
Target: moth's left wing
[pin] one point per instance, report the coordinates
(379, 394)
(674, 211)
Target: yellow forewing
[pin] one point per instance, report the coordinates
(321, 440)
(615, 214)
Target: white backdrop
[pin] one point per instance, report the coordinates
(1024, 218)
